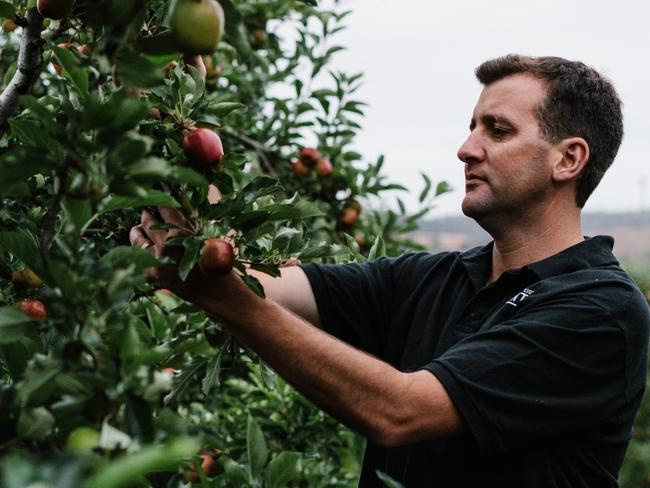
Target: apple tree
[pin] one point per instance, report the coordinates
(231, 113)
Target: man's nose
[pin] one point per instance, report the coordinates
(471, 150)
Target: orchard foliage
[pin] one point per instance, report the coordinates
(105, 380)
(635, 472)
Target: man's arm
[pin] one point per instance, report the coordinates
(390, 407)
(291, 290)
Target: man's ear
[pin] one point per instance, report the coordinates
(574, 155)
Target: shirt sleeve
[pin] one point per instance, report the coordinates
(551, 372)
(355, 301)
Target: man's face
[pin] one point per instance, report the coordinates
(507, 161)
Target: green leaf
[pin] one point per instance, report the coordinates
(443, 187)
(300, 210)
(149, 169)
(221, 109)
(153, 198)
(182, 380)
(26, 248)
(269, 376)
(378, 248)
(212, 375)
(193, 246)
(235, 472)
(71, 68)
(246, 221)
(7, 10)
(127, 115)
(427, 187)
(259, 187)
(136, 71)
(255, 448)
(78, 211)
(37, 383)
(388, 481)
(14, 325)
(15, 175)
(269, 269)
(128, 255)
(139, 418)
(181, 174)
(35, 106)
(316, 252)
(255, 285)
(10, 316)
(159, 44)
(283, 468)
(122, 471)
(30, 132)
(130, 344)
(35, 424)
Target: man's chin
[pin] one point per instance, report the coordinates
(473, 209)
(484, 215)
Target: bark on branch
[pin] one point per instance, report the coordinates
(30, 61)
(266, 155)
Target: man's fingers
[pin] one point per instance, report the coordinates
(174, 216)
(157, 236)
(139, 239)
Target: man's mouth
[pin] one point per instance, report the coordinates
(473, 179)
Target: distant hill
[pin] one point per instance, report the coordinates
(631, 232)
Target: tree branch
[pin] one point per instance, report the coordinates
(262, 151)
(30, 61)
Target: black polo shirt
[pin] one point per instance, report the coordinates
(546, 366)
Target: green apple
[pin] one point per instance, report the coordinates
(82, 439)
(197, 25)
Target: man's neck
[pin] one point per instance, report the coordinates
(538, 239)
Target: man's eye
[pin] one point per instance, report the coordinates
(499, 132)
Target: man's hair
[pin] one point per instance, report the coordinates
(579, 103)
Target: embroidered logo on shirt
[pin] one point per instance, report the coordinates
(520, 297)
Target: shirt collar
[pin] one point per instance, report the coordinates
(593, 251)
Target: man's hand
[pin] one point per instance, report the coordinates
(292, 290)
(154, 241)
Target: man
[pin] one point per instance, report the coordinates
(519, 364)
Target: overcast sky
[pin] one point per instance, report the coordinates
(419, 55)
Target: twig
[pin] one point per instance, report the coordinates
(47, 226)
(30, 61)
(263, 151)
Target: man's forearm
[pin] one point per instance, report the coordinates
(354, 387)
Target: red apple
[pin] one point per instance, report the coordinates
(84, 50)
(309, 156)
(34, 309)
(9, 25)
(55, 9)
(349, 216)
(324, 167)
(299, 169)
(217, 257)
(203, 149)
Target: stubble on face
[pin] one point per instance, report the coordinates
(506, 176)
